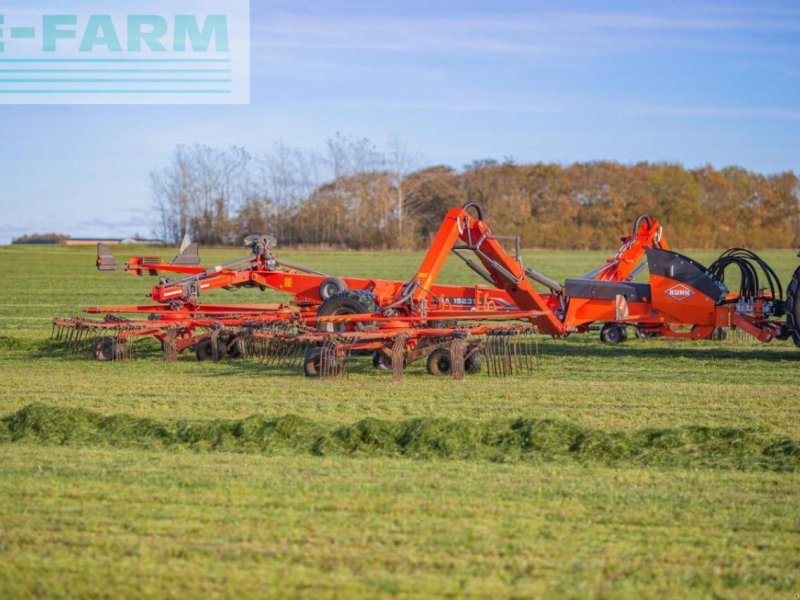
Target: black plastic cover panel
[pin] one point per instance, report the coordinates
(682, 268)
(607, 290)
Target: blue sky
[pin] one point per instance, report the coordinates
(699, 83)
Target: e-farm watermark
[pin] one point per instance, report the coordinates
(125, 52)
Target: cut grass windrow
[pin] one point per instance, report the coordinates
(498, 440)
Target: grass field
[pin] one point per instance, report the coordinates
(656, 468)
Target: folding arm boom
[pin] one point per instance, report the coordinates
(505, 271)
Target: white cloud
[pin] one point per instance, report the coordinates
(529, 34)
(714, 112)
(457, 106)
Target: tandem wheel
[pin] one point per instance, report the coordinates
(313, 367)
(613, 333)
(105, 349)
(441, 363)
(204, 349)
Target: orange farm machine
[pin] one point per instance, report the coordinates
(456, 329)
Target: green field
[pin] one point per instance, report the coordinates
(656, 468)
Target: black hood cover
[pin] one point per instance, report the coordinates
(682, 268)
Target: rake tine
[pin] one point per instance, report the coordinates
(515, 349)
(80, 335)
(300, 349)
(214, 346)
(490, 355)
(325, 359)
(247, 342)
(457, 347)
(120, 348)
(287, 353)
(497, 350)
(398, 356)
(270, 352)
(71, 340)
(170, 347)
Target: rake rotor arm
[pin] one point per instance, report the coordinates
(187, 261)
(144, 265)
(233, 273)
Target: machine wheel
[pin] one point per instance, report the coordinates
(473, 364)
(379, 361)
(204, 349)
(345, 303)
(439, 362)
(613, 333)
(312, 363)
(720, 334)
(382, 363)
(234, 348)
(330, 287)
(105, 349)
(793, 307)
(643, 333)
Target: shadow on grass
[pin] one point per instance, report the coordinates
(83, 350)
(252, 366)
(642, 350)
(547, 348)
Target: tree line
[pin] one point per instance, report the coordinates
(353, 194)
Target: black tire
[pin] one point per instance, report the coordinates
(380, 362)
(720, 334)
(204, 349)
(793, 307)
(472, 365)
(643, 333)
(105, 349)
(347, 303)
(330, 287)
(234, 348)
(439, 362)
(312, 362)
(613, 333)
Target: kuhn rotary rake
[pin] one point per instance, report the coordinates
(456, 329)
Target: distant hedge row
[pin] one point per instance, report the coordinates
(41, 238)
(353, 195)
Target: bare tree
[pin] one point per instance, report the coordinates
(402, 162)
(199, 192)
(172, 189)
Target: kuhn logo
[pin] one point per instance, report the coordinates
(679, 292)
